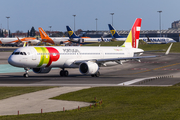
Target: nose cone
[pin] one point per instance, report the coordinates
(12, 60)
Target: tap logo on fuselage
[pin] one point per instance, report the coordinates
(48, 55)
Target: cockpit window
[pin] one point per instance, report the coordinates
(19, 53)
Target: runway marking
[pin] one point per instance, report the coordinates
(146, 62)
(140, 69)
(134, 81)
(156, 68)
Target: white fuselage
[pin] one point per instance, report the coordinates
(157, 40)
(59, 40)
(64, 57)
(15, 40)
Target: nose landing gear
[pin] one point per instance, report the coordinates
(26, 75)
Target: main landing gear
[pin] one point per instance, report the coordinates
(64, 73)
(96, 74)
(26, 72)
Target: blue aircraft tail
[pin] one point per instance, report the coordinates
(71, 34)
(114, 34)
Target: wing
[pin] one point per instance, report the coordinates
(113, 59)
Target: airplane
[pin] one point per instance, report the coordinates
(18, 41)
(52, 40)
(88, 59)
(84, 40)
(149, 40)
(157, 40)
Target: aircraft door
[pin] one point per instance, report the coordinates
(33, 53)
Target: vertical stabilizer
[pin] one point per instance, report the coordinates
(133, 37)
(114, 33)
(71, 34)
(45, 37)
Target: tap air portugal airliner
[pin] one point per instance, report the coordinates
(84, 40)
(87, 59)
(149, 40)
(52, 40)
(18, 41)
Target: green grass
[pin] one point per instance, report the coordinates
(6, 92)
(137, 103)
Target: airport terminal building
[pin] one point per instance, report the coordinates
(172, 32)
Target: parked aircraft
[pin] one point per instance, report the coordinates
(157, 40)
(84, 40)
(52, 40)
(18, 41)
(87, 59)
(149, 40)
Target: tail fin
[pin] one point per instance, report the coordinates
(45, 37)
(133, 37)
(71, 34)
(114, 34)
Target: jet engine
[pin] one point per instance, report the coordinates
(88, 68)
(42, 70)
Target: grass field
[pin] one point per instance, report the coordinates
(136, 103)
(6, 92)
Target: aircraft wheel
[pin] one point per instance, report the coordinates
(97, 74)
(64, 73)
(26, 75)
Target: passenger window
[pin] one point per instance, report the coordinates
(24, 53)
(21, 53)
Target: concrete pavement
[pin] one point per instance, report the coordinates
(34, 102)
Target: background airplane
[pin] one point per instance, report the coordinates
(157, 40)
(84, 40)
(52, 40)
(149, 40)
(87, 59)
(18, 41)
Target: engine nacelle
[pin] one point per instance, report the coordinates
(42, 70)
(88, 68)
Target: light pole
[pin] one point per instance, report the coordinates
(8, 24)
(160, 21)
(112, 17)
(50, 30)
(96, 24)
(74, 22)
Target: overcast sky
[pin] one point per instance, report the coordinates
(58, 13)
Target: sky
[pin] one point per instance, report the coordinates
(59, 13)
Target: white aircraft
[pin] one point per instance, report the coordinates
(149, 40)
(87, 59)
(157, 40)
(52, 40)
(84, 40)
(18, 41)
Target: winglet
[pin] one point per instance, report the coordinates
(168, 50)
(133, 37)
(19, 40)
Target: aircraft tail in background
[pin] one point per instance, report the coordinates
(45, 37)
(71, 34)
(114, 33)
